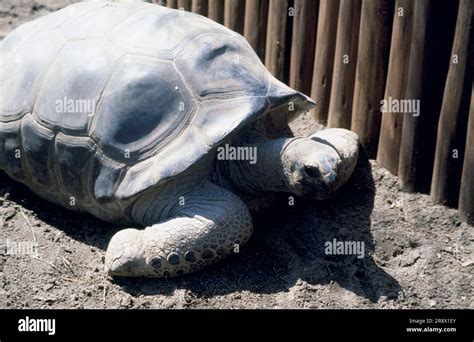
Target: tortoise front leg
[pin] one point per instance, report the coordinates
(208, 227)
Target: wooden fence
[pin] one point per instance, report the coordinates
(397, 72)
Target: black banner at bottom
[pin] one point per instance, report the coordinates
(92, 325)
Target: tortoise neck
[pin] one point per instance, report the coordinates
(258, 175)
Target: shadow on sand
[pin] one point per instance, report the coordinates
(288, 244)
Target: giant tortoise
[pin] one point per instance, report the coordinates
(147, 117)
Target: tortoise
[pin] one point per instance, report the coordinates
(122, 110)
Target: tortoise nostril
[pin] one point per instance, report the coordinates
(312, 171)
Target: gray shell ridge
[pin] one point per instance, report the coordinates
(165, 89)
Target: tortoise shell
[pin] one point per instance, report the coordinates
(103, 101)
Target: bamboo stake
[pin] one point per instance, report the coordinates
(234, 12)
(172, 3)
(255, 27)
(410, 139)
(466, 196)
(184, 4)
(345, 62)
(216, 10)
(447, 123)
(276, 38)
(303, 44)
(392, 120)
(374, 43)
(200, 7)
(277, 123)
(324, 58)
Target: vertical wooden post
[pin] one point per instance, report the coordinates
(255, 27)
(409, 141)
(185, 4)
(172, 3)
(200, 7)
(447, 123)
(324, 58)
(439, 40)
(345, 62)
(277, 123)
(234, 12)
(216, 10)
(276, 38)
(392, 121)
(466, 196)
(374, 43)
(303, 44)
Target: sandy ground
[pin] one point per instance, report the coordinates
(417, 255)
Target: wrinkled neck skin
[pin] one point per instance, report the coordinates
(250, 177)
(255, 177)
